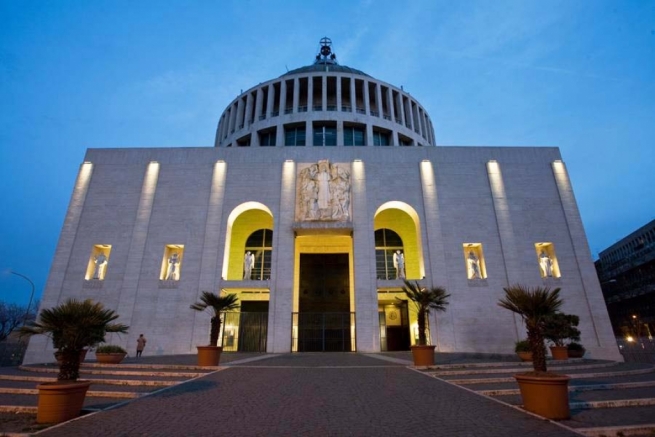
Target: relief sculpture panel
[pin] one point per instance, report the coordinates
(323, 192)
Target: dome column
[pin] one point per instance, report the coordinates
(338, 94)
(310, 93)
(367, 108)
(283, 98)
(324, 93)
(271, 100)
(258, 104)
(247, 121)
(296, 94)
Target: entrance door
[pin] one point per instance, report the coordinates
(324, 317)
(397, 321)
(253, 326)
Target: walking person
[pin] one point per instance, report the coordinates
(140, 344)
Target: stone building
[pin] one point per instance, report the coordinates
(627, 273)
(324, 190)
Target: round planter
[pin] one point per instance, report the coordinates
(209, 355)
(559, 352)
(115, 358)
(575, 353)
(423, 355)
(547, 396)
(525, 356)
(60, 401)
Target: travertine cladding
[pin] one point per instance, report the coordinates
(448, 187)
(337, 98)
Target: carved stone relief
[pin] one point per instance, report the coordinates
(323, 192)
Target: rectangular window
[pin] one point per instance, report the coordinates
(294, 136)
(380, 138)
(325, 136)
(96, 269)
(267, 139)
(354, 136)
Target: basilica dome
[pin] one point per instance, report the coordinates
(324, 104)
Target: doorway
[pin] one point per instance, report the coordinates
(324, 318)
(394, 326)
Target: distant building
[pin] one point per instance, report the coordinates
(626, 271)
(324, 190)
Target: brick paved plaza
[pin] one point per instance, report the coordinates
(338, 394)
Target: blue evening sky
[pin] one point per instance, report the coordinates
(576, 74)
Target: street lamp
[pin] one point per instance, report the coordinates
(27, 312)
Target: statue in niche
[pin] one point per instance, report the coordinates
(323, 192)
(323, 179)
(248, 264)
(100, 261)
(173, 261)
(399, 264)
(546, 264)
(473, 263)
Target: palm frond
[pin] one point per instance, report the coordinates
(425, 299)
(217, 304)
(532, 304)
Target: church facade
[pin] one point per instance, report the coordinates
(324, 191)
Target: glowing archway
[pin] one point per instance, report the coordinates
(242, 221)
(403, 219)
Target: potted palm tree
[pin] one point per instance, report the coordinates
(425, 299)
(72, 326)
(558, 328)
(210, 355)
(544, 393)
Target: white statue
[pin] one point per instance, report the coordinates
(546, 265)
(399, 264)
(173, 261)
(473, 266)
(323, 179)
(100, 261)
(248, 264)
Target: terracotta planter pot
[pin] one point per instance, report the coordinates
(559, 352)
(209, 355)
(547, 396)
(423, 355)
(60, 401)
(525, 356)
(110, 358)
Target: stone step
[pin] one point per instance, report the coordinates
(472, 381)
(129, 382)
(204, 369)
(117, 372)
(495, 370)
(575, 388)
(91, 393)
(619, 431)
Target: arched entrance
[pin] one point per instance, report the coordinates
(398, 255)
(246, 271)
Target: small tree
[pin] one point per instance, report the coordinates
(560, 327)
(72, 326)
(425, 299)
(534, 305)
(11, 317)
(216, 304)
